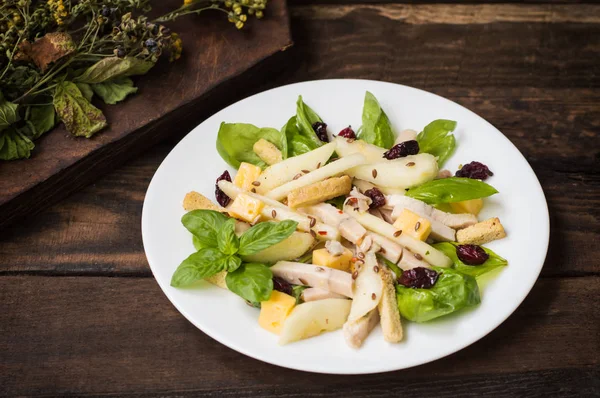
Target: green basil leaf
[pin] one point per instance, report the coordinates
(227, 240)
(450, 190)
(114, 67)
(204, 225)
(86, 91)
(265, 234)
(376, 128)
(297, 144)
(232, 263)
(252, 282)
(79, 116)
(114, 90)
(198, 245)
(305, 118)
(437, 140)
(235, 143)
(8, 113)
(390, 265)
(337, 202)
(493, 262)
(452, 292)
(199, 265)
(42, 118)
(14, 145)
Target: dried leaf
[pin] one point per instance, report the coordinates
(79, 116)
(113, 67)
(47, 49)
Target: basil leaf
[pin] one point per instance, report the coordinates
(452, 292)
(376, 127)
(204, 225)
(197, 244)
(227, 240)
(251, 281)
(14, 145)
(449, 190)
(297, 144)
(437, 140)
(390, 265)
(199, 265)
(236, 140)
(42, 119)
(337, 202)
(305, 118)
(114, 67)
(115, 90)
(493, 262)
(8, 113)
(86, 91)
(265, 234)
(79, 116)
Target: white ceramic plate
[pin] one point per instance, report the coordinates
(194, 165)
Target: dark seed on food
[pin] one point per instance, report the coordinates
(273, 213)
(374, 173)
(360, 255)
(256, 183)
(471, 254)
(418, 256)
(297, 176)
(305, 171)
(313, 221)
(382, 251)
(398, 233)
(373, 296)
(318, 165)
(410, 164)
(355, 275)
(314, 235)
(253, 190)
(376, 269)
(417, 226)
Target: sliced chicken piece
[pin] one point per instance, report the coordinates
(406, 135)
(388, 249)
(348, 227)
(358, 201)
(456, 221)
(314, 294)
(388, 309)
(356, 332)
(330, 279)
(409, 260)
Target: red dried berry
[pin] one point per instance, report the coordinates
(222, 198)
(347, 133)
(402, 150)
(474, 170)
(419, 278)
(321, 131)
(282, 286)
(376, 196)
(471, 254)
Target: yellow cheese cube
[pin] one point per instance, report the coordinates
(274, 311)
(323, 258)
(246, 175)
(472, 206)
(412, 224)
(246, 208)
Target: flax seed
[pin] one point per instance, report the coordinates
(418, 256)
(417, 226)
(256, 183)
(398, 233)
(376, 269)
(410, 164)
(305, 171)
(313, 221)
(373, 296)
(360, 255)
(374, 173)
(273, 213)
(355, 275)
(297, 176)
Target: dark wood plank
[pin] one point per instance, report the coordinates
(215, 53)
(64, 335)
(449, 2)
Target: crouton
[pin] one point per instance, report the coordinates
(218, 279)
(480, 233)
(355, 332)
(196, 201)
(320, 191)
(388, 310)
(267, 151)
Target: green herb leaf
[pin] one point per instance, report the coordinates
(235, 143)
(14, 145)
(79, 116)
(8, 113)
(493, 262)
(305, 118)
(251, 281)
(376, 127)
(113, 67)
(337, 202)
(297, 143)
(450, 190)
(452, 292)
(204, 225)
(42, 119)
(198, 245)
(297, 293)
(437, 140)
(227, 239)
(390, 265)
(114, 90)
(86, 91)
(232, 263)
(199, 265)
(265, 234)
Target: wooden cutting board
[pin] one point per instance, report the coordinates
(173, 97)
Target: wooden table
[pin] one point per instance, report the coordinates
(82, 315)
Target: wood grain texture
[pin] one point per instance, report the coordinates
(73, 336)
(215, 53)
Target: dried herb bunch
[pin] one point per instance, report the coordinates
(56, 55)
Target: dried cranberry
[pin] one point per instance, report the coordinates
(282, 286)
(471, 254)
(347, 133)
(474, 170)
(376, 196)
(321, 130)
(222, 198)
(420, 278)
(402, 150)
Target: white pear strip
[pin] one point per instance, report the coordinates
(311, 319)
(314, 294)
(409, 261)
(456, 221)
(329, 170)
(356, 332)
(282, 172)
(427, 252)
(404, 172)
(346, 147)
(334, 280)
(390, 250)
(367, 289)
(366, 185)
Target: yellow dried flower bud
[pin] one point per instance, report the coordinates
(259, 14)
(239, 24)
(243, 18)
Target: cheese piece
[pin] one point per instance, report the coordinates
(267, 151)
(323, 258)
(412, 224)
(246, 175)
(246, 208)
(274, 311)
(472, 206)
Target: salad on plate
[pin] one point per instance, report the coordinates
(322, 232)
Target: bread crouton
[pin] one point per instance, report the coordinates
(320, 191)
(218, 279)
(267, 151)
(196, 201)
(480, 233)
(388, 310)
(355, 332)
